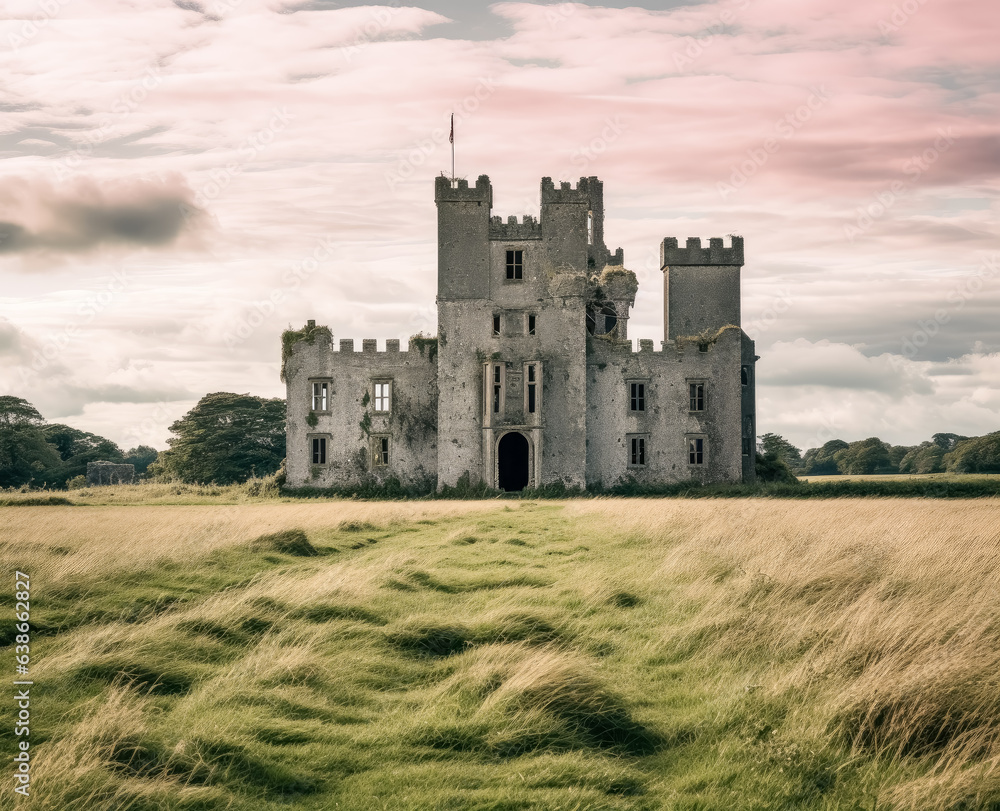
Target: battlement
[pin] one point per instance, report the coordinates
(447, 190)
(585, 191)
(693, 254)
(369, 346)
(529, 228)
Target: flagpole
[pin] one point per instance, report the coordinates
(452, 139)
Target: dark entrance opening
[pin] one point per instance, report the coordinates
(512, 462)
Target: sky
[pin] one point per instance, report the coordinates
(181, 181)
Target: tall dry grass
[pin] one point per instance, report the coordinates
(600, 653)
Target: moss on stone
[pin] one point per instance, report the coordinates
(290, 337)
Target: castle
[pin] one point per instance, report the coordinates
(531, 379)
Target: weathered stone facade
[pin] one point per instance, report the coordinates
(531, 379)
(99, 473)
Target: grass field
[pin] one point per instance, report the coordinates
(584, 654)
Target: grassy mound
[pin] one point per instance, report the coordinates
(287, 542)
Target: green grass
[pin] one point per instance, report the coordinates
(538, 655)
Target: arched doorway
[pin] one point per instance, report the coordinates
(513, 458)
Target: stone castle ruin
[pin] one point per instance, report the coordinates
(100, 473)
(532, 379)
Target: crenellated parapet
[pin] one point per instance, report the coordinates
(447, 190)
(588, 189)
(528, 228)
(694, 254)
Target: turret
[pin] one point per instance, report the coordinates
(463, 237)
(701, 286)
(573, 224)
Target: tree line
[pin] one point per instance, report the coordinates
(226, 438)
(944, 452)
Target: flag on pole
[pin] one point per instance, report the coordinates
(451, 138)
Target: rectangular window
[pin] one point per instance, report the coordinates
(590, 227)
(382, 397)
(703, 347)
(497, 389)
(496, 326)
(531, 385)
(745, 375)
(637, 457)
(515, 264)
(320, 397)
(697, 396)
(531, 325)
(380, 451)
(746, 446)
(696, 451)
(637, 396)
(319, 450)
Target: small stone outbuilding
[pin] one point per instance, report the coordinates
(99, 473)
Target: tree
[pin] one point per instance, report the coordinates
(773, 468)
(896, 455)
(979, 454)
(141, 457)
(865, 457)
(24, 453)
(947, 442)
(780, 448)
(928, 457)
(821, 461)
(76, 449)
(225, 438)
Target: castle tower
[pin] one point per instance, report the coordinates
(701, 286)
(463, 238)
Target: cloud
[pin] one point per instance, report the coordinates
(87, 213)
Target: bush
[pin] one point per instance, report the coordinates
(773, 468)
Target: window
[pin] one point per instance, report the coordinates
(746, 446)
(383, 396)
(515, 264)
(320, 396)
(496, 326)
(380, 451)
(703, 347)
(530, 390)
(745, 376)
(697, 397)
(637, 397)
(497, 388)
(637, 451)
(531, 325)
(590, 227)
(696, 451)
(319, 450)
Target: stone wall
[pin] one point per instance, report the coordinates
(99, 473)
(351, 424)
